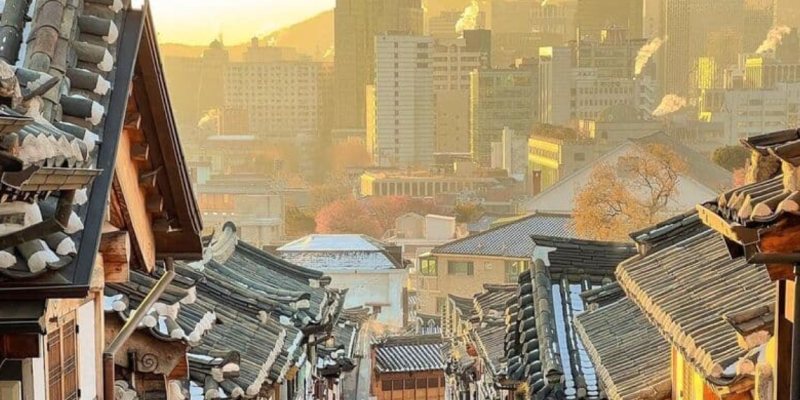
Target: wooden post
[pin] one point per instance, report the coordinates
(115, 247)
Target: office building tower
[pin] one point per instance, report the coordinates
(401, 107)
(555, 85)
(501, 98)
(453, 60)
(356, 23)
(593, 16)
(697, 28)
(280, 97)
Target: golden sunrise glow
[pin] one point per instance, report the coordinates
(201, 21)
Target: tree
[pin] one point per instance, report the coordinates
(371, 216)
(631, 194)
(731, 157)
(347, 216)
(334, 187)
(468, 211)
(298, 222)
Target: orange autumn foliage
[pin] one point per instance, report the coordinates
(631, 194)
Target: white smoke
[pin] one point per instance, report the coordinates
(645, 53)
(469, 18)
(669, 104)
(328, 53)
(774, 38)
(209, 121)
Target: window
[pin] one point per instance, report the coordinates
(460, 268)
(513, 269)
(62, 363)
(427, 267)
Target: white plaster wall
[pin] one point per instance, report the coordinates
(439, 227)
(87, 352)
(383, 287)
(33, 379)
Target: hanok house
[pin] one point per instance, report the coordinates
(408, 367)
(372, 271)
(84, 111)
(759, 222)
(545, 358)
(712, 311)
(476, 352)
(274, 316)
(495, 256)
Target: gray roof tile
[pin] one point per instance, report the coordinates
(688, 288)
(630, 356)
(512, 239)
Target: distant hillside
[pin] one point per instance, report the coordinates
(313, 37)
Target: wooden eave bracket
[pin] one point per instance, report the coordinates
(738, 233)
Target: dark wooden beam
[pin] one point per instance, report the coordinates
(148, 180)
(161, 225)
(133, 121)
(19, 346)
(140, 152)
(154, 203)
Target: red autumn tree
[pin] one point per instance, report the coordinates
(371, 216)
(346, 216)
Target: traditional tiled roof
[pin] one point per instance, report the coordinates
(772, 195)
(66, 72)
(782, 144)
(339, 251)
(687, 289)
(462, 305)
(490, 305)
(630, 356)
(409, 354)
(753, 204)
(336, 354)
(164, 321)
(490, 340)
(542, 346)
(56, 65)
(668, 232)
(512, 239)
(265, 308)
(603, 295)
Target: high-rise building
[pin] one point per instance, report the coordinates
(513, 33)
(583, 79)
(613, 54)
(593, 16)
(750, 112)
(512, 16)
(280, 97)
(401, 119)
(697, 28)
(453, 60)
(555, 18)
(500, 98)
(356, 23)
(787, 12)
(555, 84)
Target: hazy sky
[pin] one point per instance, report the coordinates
(200, 21)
